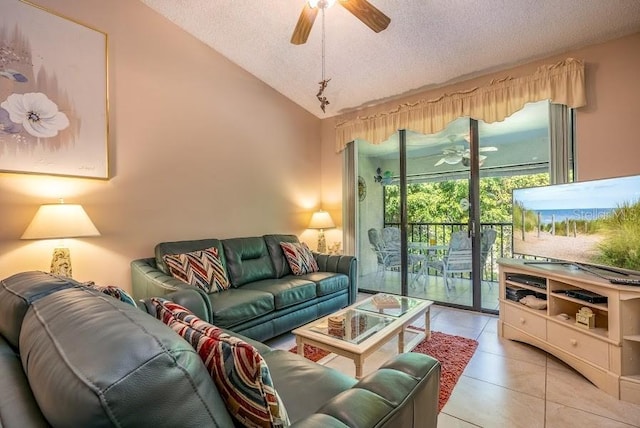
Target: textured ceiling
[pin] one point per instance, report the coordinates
(428, 43)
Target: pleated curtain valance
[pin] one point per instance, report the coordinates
(561, 83)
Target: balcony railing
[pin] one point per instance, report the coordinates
(440, 233)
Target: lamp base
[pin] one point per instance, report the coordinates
(61, 262)
(322, 244)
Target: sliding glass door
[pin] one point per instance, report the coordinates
(431, 197)
(438, 215)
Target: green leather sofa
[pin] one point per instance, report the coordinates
(265, 298)
(71, 356)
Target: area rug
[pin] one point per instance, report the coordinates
(453, 352)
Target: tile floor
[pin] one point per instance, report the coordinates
(507, 383)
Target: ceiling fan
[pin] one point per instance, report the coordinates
(361, 9)
(458, 153)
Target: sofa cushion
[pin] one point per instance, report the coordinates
(305, 383)
(248, 260)
(18, 407)
(18, 292)
(180, 247)
(287, 291)
(299, 257)
(278, 258)
(202, 268)
(239, 305)
(95, 361)
(327, 282)
(238, 370)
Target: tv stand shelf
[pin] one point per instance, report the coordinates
(607, 354)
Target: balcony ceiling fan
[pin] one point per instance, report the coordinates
(459, 153)
(361, 9)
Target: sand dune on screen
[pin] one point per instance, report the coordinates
(581, 248)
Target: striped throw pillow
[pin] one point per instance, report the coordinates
(113, 291)
(202, 268)
(117, 293)
(299, 257)
(238, 370)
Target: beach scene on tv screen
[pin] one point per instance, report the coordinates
(595, 222)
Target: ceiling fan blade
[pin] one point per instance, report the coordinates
(303, 27)
(440, 162)
(488, 149)
(453, 159)
(367, 13)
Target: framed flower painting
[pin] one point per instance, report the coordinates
(53, 94)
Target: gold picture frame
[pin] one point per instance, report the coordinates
(53, 94)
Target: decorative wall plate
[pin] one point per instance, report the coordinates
(362, 188)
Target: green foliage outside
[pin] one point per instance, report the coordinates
(439, 202)
(621, 245)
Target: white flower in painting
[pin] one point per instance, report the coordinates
(37, 114)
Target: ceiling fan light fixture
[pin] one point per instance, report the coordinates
(322, 4)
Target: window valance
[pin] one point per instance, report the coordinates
(562, 83)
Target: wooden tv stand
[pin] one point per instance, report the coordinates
(608, 354)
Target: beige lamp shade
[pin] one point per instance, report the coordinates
(321, 220)
(60, 221)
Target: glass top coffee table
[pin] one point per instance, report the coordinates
(361, 329)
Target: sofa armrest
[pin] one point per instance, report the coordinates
(193, 299)
(149, 281)
(347, 265)
(402, 393)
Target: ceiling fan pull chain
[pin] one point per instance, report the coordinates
(323, 84)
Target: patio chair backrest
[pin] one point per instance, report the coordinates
(377, 245)
(388, 256)
(460, 241)
(458, 257)
(486, 243)
(375, 238)
(391, 237)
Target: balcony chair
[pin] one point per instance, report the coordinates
(487, 240)
(388, 258)
(386, 245)
(458, 258)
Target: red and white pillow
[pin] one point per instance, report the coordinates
(299, 257)
(202, 268)
(238, 370)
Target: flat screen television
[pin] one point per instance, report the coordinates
(595, 223)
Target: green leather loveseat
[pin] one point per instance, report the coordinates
(265, 298)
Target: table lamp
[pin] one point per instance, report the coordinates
(59, 221)
(321, 220)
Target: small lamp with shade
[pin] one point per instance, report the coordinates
(321, 220)
(60, 221)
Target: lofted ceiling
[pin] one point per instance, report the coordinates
(428, 42)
